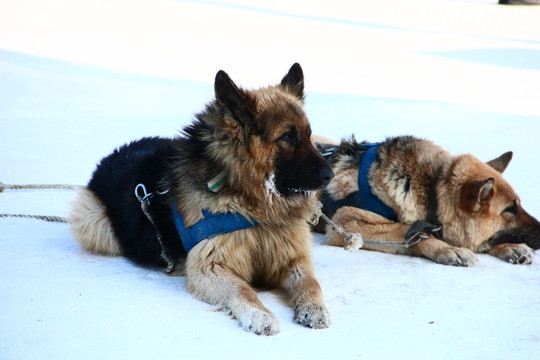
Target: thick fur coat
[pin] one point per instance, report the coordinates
(261, 140)
(477, 209)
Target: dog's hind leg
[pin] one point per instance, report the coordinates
(91, 226)
(375, 227)
(306, 296)
(218, 285)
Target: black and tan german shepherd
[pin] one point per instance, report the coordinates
(247, 157)
(418, 182)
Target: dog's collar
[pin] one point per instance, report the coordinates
(210, 225)
(364, 197)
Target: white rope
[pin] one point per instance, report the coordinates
(355, 241)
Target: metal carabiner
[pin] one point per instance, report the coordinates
(145, 196)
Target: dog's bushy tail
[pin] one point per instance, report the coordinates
(91, 226)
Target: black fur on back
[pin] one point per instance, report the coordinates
(355, 150)
(160, 164)
(145, 161)
(352, 148)
(218, 139)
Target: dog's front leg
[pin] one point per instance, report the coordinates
(218, 285)
(513, 253)
(442, 253)
(375, 227)
(306, 296)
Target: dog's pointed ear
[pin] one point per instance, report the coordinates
(477, 192)
(486, 190)
(228, 95)
(501, 162)
(293, 82)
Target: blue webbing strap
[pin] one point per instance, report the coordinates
(211, 225)
(364, 198)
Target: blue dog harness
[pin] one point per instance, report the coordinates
(211, 225)
(364, 198)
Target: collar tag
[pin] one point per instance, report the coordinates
(217, 183)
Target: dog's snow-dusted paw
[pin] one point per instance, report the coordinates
(259, 322)
(354, 243)
(456, 256)
(513, 253)
(313, 316)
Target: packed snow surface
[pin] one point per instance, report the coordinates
(80, 78)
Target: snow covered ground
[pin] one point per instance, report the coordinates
(78, 78)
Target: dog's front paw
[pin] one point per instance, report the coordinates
(259, 322)
(513, 253)
(313, 316)
(456, 256)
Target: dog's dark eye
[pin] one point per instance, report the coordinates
(289, 137)
(512, 209)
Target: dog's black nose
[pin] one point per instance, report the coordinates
(326, 174)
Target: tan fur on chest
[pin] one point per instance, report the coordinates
(261, 255)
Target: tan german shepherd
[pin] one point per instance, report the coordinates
(422, 184)
(228, 203)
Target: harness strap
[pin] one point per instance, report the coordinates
(366, 200)
(212, 224)
(364, 197)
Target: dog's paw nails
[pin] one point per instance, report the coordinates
(259, 322)
(518, 254)
(354, 243)
(313, 316)
(457, 257)
(466, 257)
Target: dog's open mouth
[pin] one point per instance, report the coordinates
(274, 189)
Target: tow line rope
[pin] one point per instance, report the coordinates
(37, 187)
(49, 218)
(353, 241)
